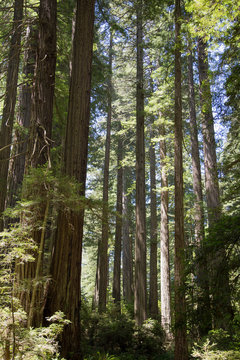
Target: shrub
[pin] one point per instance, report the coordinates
(208, 352)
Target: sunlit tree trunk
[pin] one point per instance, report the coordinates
(9, 103)
(164, 241)
(102, 263)
(127, 244)
(65, 290)
(219, 279)
(140, 289)
(203, 299)
(118, 231)
(179, 269)
(153, 291)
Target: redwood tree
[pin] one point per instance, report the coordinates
(65, 292)
(38, 153)
(118, 231)
(164, 240)
(102, 263)
(179, 269)
(9, 103)
(153, 290)
(140, 289)
(203, 300)
(219, 278)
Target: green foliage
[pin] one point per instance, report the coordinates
(114, 333)
(208, 352)
(29, 343)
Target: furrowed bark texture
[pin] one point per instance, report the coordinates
(9, 103)
(17, 165)
(180, 303)
(65, 291)
(140, 288)
(39, 152)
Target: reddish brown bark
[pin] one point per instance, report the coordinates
(65, 291)
(118, 231)
(181, 352)
(9, 103)
(140, 289)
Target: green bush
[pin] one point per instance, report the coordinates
(25, 343)
(148, 339)
(113, 333)
(209, 352)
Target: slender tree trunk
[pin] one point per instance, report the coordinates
(118, 233)
(17, 165)
(179, 281)
(164, 241)
(39, 152)
(140, 288)
(153, 292)
(9, 103)
(65, 290)
(197, 181)
(219, 282)
(202, 275)
(102, 264)
(127, 244)
(209, 145)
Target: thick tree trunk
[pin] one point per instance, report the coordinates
(164, 241)
(179, 280)
(39, 152)
(153, 291)
(219, 279)
(140, 289)
(118, 233)
(202, 275)
(102, 264)
(9, 103)
(127, 244)
(65, 291)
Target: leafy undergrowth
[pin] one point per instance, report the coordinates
(114, 336)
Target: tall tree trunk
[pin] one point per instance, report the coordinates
(102, 264)
(219, 282)
(127, 244)
(9, 103)
(118, 233)
(202, 275)
(209, 145)
(153, 291)
(140, 289)
(65, 290)
(164, 241)
(17, 165)
(39, 151)
(179, 280)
